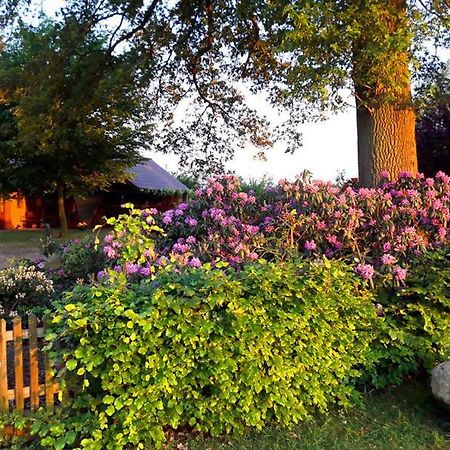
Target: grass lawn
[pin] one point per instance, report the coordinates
(401, 418)
(20, 244)
(31, 238)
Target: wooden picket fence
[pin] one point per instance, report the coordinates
(26, 381)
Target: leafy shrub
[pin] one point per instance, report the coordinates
(80, 259)
(209, 349)
(131, 245)
(416, 330)
(23, 288)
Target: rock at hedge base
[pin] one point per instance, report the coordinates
(440, 383)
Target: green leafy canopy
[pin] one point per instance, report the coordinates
(69, 115)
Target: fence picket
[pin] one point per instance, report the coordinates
(49, 387)
(4, 404)
(34, 366)
(18, 364)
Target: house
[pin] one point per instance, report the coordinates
(150, 186)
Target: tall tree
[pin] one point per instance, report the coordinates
(368, 47)
(70, 115)
(303, 53)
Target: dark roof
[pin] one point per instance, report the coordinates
(150, 176)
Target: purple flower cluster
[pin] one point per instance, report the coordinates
(383, 227)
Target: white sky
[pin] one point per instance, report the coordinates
(328, 147)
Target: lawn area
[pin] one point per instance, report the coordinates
(26, 243)
(404, 418)
(30, 238)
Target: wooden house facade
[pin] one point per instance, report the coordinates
(150, 186)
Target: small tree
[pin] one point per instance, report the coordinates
(70, 113)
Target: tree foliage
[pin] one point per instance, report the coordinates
(433, 139)
(72, 115)
(201, 59)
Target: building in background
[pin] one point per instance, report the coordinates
(150, 186)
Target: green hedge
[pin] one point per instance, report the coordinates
(415, 332)
(216, 350)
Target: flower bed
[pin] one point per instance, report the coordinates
(236, 310)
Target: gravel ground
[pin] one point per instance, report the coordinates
(8, 251)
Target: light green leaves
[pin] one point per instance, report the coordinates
(71, 364)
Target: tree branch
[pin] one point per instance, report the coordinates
(142, 24)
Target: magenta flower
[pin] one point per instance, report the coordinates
(310, 245)
(145, 271)
(195, 262)
(366, 271)
(167, 220)
(400, 273)
(191, 240)
(101, 275)
(387, 260)
(190, 221)
(131, 268)
(109, 252)
(108, 238)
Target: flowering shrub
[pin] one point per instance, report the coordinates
(382, 229)
(210, 350)
(130, 247)
(23, 288)
(80, 260)
(379, 230)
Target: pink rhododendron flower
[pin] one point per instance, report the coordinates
(400, 274)
(366, 271)
(310, 245)
(388, 260)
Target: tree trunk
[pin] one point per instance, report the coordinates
(386, 141)
(63, 225)
(384, 108)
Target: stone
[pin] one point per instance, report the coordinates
(440, 383)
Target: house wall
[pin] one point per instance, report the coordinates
(12, 213)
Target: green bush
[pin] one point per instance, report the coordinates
(80, 259)
(416, 330)
(215, 350)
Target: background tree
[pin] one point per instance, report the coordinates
(201, 57)
(70, 114)
(433, 139)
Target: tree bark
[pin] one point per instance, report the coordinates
(63, 225)
(386, 141)
(384, 109)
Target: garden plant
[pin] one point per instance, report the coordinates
(237, 310)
